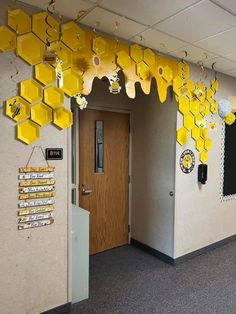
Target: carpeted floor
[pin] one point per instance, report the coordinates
(127, 280)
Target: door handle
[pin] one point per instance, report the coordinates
(86, 192)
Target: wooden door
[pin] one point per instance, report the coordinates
(103, 176)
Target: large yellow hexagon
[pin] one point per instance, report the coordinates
(214, 107)
(13, 104)
(54, 97)
(196, 133)
(184, 105)
(183, 70)
(41, 114)
(100, 46)
(188, 121)
(203, 156)
(31, 90)
(200, 144)
(73, 83)
(30, 48)
(167, 74)
(208, 144)
(214, 85)
(63, 53)
(28, 132)
(45, 74)
(73, 36)
(182, 136)
(62, 118)
(136, 53)
(40, 27)
(194, 106)
(149, 57)
(209, 94)
(123, 59)
(7, 39)
(19, 21)
(205, 108)
(143, 70)
(190, 86)
(177, 84)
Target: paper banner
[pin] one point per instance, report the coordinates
(36, 210)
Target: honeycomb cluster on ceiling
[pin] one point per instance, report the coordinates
(86, 55)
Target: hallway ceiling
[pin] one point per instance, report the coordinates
(206, 29)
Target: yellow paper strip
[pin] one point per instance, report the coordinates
(36, 210)
(36, 183)
(36, 169)
(36, 195)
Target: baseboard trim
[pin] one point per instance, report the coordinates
(62, 309)
(165, 258)
(175, 261)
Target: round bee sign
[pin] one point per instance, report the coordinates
(187, 161)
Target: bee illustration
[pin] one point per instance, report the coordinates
(15, 109)
(115, 87)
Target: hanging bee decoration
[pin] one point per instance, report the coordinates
(114, 87)
(81, 101)
(15, 109)
(59, 72)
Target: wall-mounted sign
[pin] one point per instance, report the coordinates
(187, 161)
(54, 153)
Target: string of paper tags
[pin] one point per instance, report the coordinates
(36, 195)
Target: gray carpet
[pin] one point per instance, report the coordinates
(127, 280)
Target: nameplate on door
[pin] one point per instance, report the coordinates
(54, 153)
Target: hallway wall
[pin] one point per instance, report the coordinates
(33, 263)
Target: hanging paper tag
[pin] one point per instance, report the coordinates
(36, 210)
(36, 183)
(36, 176)
(35, 224)
(36, 195)
(35, 217)
(33, 189)
(49, 56)
(36, 203)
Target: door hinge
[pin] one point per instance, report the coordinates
(128, 228)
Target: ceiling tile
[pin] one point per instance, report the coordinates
(69, 11)
(227, 4)
(221, 44)
(231, 72)
(195, 54)
(231, 56)
(200, 21)
(126, 28)
(158, 41)
(221, 64)
(147, 12)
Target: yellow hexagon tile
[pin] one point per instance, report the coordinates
(200, 144)
(204, 133)
(30, 48)
(190, 88)
(214, 85)
(54, 97)
(167, 74)
(149, 57)
(63, 53)
(41, 114)
(73, 36)
(28, 132)
(45, 73)
(189, 121)
(123, 59)
(19, 21)
(100, 46)
(230, 119)
(177, 84)
(214, 107)
(143, 70)
(7, 39)
(199, 120)
(183, 70)
(62, 118)
(205, 108)
(31, 91)
(209, 94)
(184, 105)
(15, 104)
(208, 144)
(182, 136)
(136, 53)
(42, 29)
(196, 133)
(203, 156)
(194, 106)
(73, 83)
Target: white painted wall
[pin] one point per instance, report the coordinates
(33, 263)
(200, 217)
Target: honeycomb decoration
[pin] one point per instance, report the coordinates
(7, 39)
(62, 118)
(53, 97)
(42, 29)
(63, 53)
(28, 132)
(100, 46)
(45, 74)
(73, 36)
(19, 21)
(31, 91)
(41, 114)
(33, 55)
(73, 83)
(22, 104)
